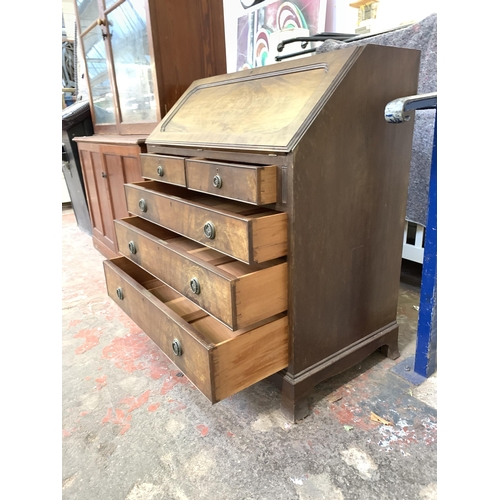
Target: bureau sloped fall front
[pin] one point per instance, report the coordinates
(265, 239)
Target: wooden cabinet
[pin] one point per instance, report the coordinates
(276, 250)
(108, 163)
(140, 56)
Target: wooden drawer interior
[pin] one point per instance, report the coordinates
(251, 234)
(219, 361)
(237, 294)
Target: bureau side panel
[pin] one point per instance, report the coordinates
(349, 191)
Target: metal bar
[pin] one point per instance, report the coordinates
(315, 38)
(397, 110)
(307, 51)
(426, 349)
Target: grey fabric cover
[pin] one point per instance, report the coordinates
(421, 36)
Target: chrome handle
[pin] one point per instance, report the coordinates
(132, 247)
(143, 205)
(119, 292)
(160, 171)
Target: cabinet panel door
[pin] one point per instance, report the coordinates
(122, 166)
(96, 180)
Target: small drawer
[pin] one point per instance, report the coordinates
(237, 294)
(250, 234)
(248, 183)
(218, 361)
(163, 168)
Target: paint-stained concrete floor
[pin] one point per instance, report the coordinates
(135, 428)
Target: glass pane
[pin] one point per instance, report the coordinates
(129, 41)
(100, 85)
(88, 12)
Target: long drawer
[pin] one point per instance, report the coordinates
(219, 361)
(247, 233)
(237, 294)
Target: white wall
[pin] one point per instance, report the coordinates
(341, 18)
(232, 11)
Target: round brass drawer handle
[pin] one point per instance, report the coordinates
(119, 292)
(217, 181)
(195, 286)
(176, 346)
(209, 230)
(143, 205)
(132, 247)
(160, 171)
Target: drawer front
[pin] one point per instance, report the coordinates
(247, 183)
(249, 234)
(152, 316)
(236, 294)
(163, 168)
(218, 361)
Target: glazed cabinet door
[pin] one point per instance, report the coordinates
(120, 65)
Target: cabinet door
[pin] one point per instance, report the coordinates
(120, 68)
(100, 79)
(131, 60)
(95, 177)
(122, 166)
(106, 168)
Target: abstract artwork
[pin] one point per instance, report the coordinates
(260, 31)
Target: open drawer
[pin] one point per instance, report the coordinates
(255, 184)
(247, 233)
(237, 294)
(219, 361)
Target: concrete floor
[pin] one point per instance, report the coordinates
(135, 428)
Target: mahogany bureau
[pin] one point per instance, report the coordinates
(266, 239)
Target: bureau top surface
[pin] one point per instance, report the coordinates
(113, 139)
(262, 109)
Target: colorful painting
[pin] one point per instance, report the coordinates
(261, 30)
